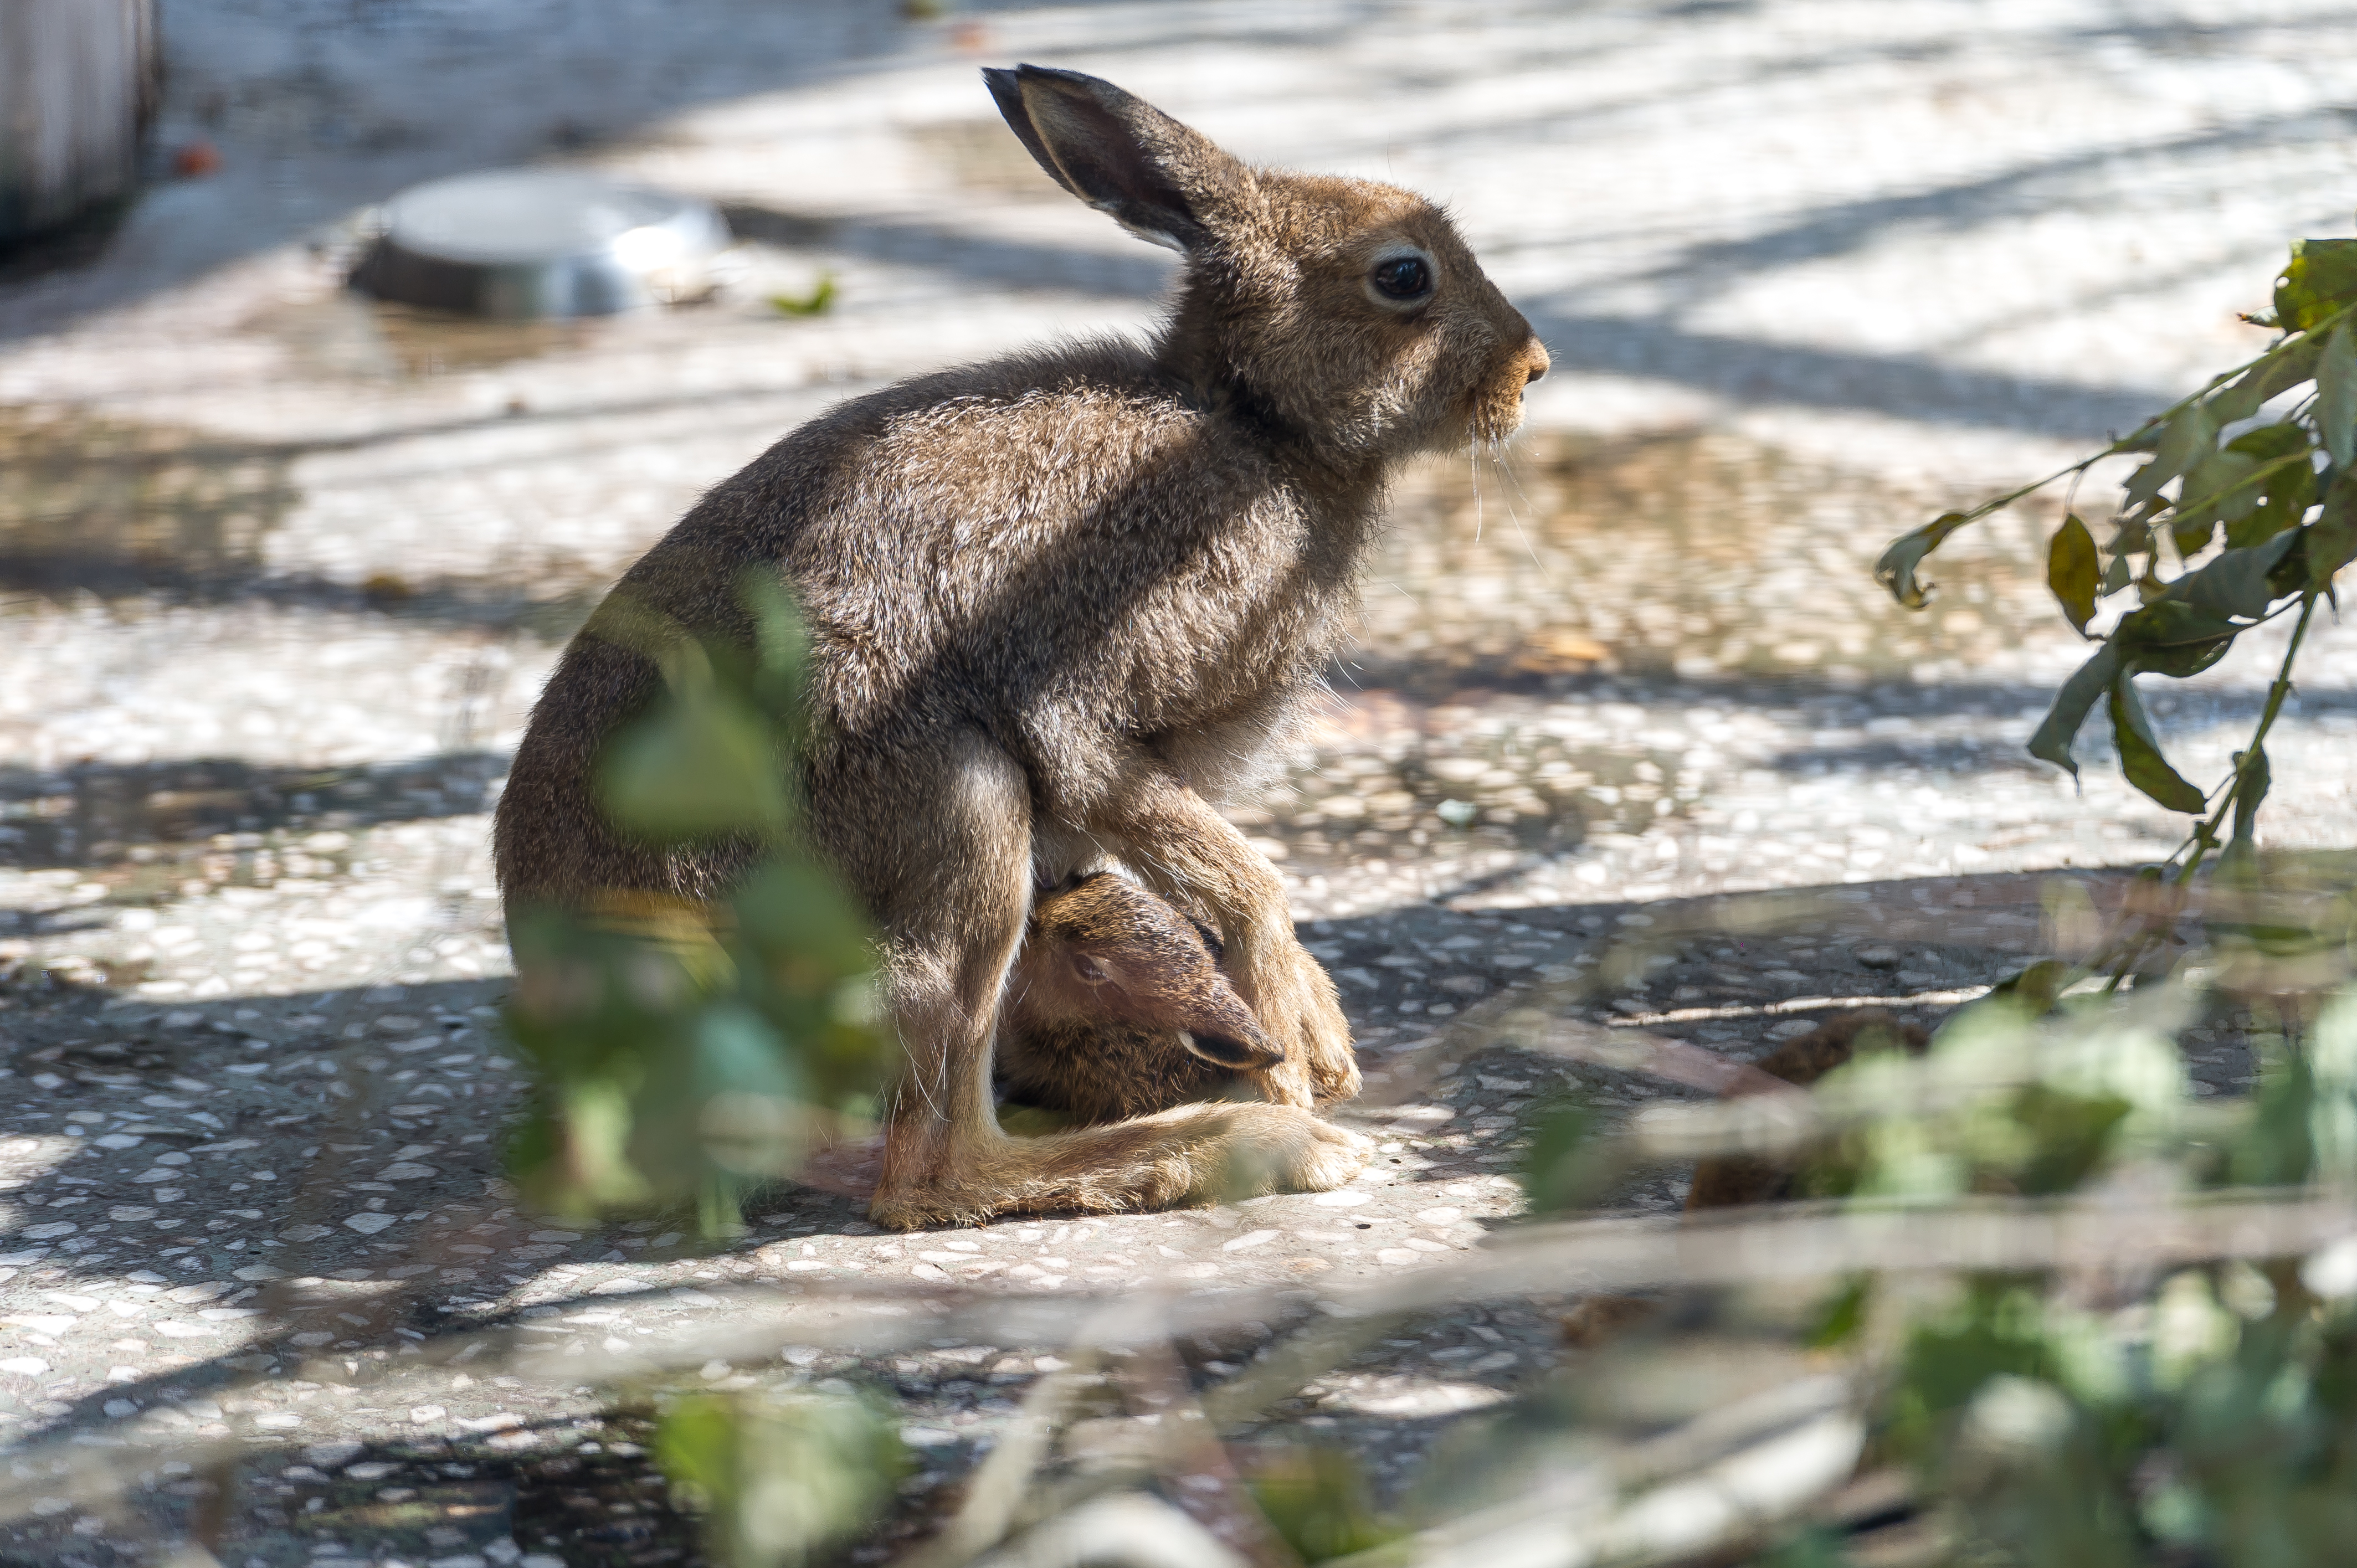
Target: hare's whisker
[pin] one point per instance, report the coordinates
(1473, 472)
(1498, 460)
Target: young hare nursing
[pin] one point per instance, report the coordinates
(1118, 1008)
(1060, 604)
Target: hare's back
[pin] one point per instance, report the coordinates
(1069, 525)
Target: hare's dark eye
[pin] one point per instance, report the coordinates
(1403, 277)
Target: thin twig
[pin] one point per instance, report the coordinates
(995, 1494)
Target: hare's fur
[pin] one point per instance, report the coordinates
(1059, 606)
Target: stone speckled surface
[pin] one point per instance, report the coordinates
(284, 571)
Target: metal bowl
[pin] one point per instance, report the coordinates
(537, 244)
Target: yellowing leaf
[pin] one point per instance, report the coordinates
(2070, 570)
(1896, 570)
(2320, 278)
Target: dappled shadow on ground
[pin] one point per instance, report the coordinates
(286, 1502)
(350, 107)
(161, 814)
(244, 1135)
(650, 67)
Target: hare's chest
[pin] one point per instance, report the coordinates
(1255, 623)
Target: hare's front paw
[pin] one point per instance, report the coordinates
(1300, 1013)
(1326, 1053)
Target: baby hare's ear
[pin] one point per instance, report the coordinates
(1120, 155)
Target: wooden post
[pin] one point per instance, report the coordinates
(78, 81)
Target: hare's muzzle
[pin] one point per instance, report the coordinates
(1235, 1055)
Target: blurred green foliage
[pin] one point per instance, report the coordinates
(777, 1478)
(1317, 1498)
(817, 302)
(683, 1052)
(2218, 1416)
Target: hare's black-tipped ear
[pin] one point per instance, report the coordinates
(1120, 155)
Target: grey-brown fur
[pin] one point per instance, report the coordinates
(1060, 604)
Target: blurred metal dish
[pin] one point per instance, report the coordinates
(538, 244)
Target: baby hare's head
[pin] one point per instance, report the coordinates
(1342, 313)
(1105, 950)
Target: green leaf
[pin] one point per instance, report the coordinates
(2290, 489)
(780, 645)
(2280, 371)
(777, 1480)
(1839, 1318)
(1320, 1501)
(2190, 437)
(2230, 909)
(2331, 542)
(815, 303)
(2277, 1147)
(2069, 1134)
(702, 763)
(2170, 637)
(2219, 488)
(2256, 779)
(2320, 278)
(2336, 395)
(2079, 694)
(2036, 987)
(2235, 584)
(1896, 570)
(2072, 571)
(2140, 757)
(795, 911)
(1563, 1167)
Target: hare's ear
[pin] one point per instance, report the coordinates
(1120, 155)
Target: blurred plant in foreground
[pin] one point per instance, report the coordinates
(777, 1479)
(2214, 1417)
(685, 1052)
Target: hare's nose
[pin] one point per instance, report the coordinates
(1537, 364)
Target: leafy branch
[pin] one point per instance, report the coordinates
(2258, 523)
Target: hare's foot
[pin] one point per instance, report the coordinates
(1299, 1011)
(1196, 1153)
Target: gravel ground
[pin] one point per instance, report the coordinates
(285, 570)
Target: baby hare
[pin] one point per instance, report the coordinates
(1117, 1008)
(1060, 604)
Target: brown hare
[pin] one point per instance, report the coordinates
(1117, 1008)
(1061, 606)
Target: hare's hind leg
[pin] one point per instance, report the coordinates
(944, 853)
